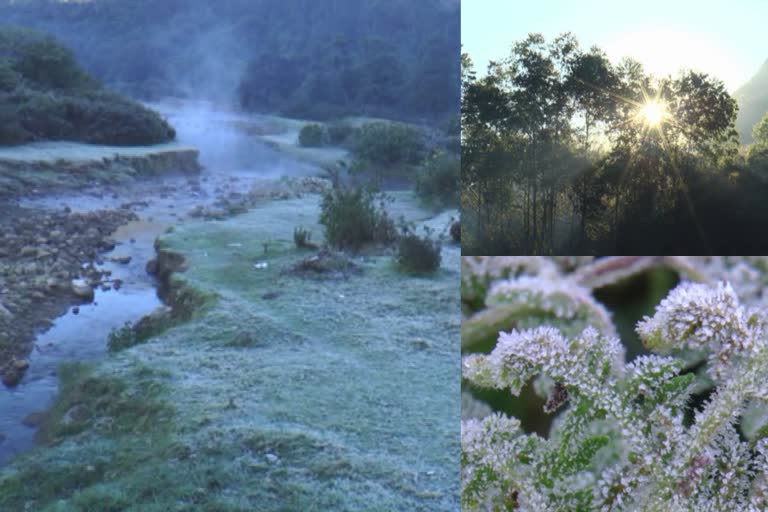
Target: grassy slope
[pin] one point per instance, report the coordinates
(353, 385)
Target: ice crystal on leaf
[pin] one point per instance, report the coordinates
(697, 315)
(625, 436)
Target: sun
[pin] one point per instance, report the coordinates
(653, 113)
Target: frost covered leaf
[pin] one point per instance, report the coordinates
(628, 437)
(655, 379)
(697, 315)
(493, 453)
(551, 300)
(583, 364)
(479, 272)
(527, 302)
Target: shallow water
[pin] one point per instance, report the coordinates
(230, 157)
(80, 337)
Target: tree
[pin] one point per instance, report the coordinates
(757, 154)
(553, 126)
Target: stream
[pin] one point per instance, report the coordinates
(231, 159)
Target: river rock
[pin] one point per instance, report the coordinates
(14, 372)
(123, 260)
(76, 414)
(33, 420)
(52, 283)
(28, 250)
(82, 289)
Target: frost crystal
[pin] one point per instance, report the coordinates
(696, 316)
(625, 436)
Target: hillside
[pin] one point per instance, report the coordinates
(45, 95)
(753, 103)
(301, 58)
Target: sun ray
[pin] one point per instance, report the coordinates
(653, 113)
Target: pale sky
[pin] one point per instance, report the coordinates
(725, 38)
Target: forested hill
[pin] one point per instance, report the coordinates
(307, 58)
(753, 103)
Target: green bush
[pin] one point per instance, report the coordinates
(456, 231)
(312, 136)
(303, 239)
(11, 131)
(352, 220)
(438, 182)
(388, 144)
(44, 95)
(122, 338)
(41, 60)
(339, 133)
(418, 254)
(10, 79)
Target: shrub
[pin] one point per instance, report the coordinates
(339, 133)
(438, 182)
(11, 131)
(312, 135)
(303, 238)
(352, 220)
(456, 231)
(10, 79)
(41, 60)
(418, 254)
(44, 95)
(388, 144)
(122, 338)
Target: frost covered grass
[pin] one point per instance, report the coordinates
(681, 428)
(287, 393)
(42, 166)
(51, 152)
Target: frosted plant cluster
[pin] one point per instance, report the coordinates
(625, 436)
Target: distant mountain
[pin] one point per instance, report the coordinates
(753, 103)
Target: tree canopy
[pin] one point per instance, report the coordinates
(565, 152)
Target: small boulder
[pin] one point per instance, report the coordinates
(82, 289)
(28, 250)
(14, 372)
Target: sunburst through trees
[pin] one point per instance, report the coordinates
(566, 152)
